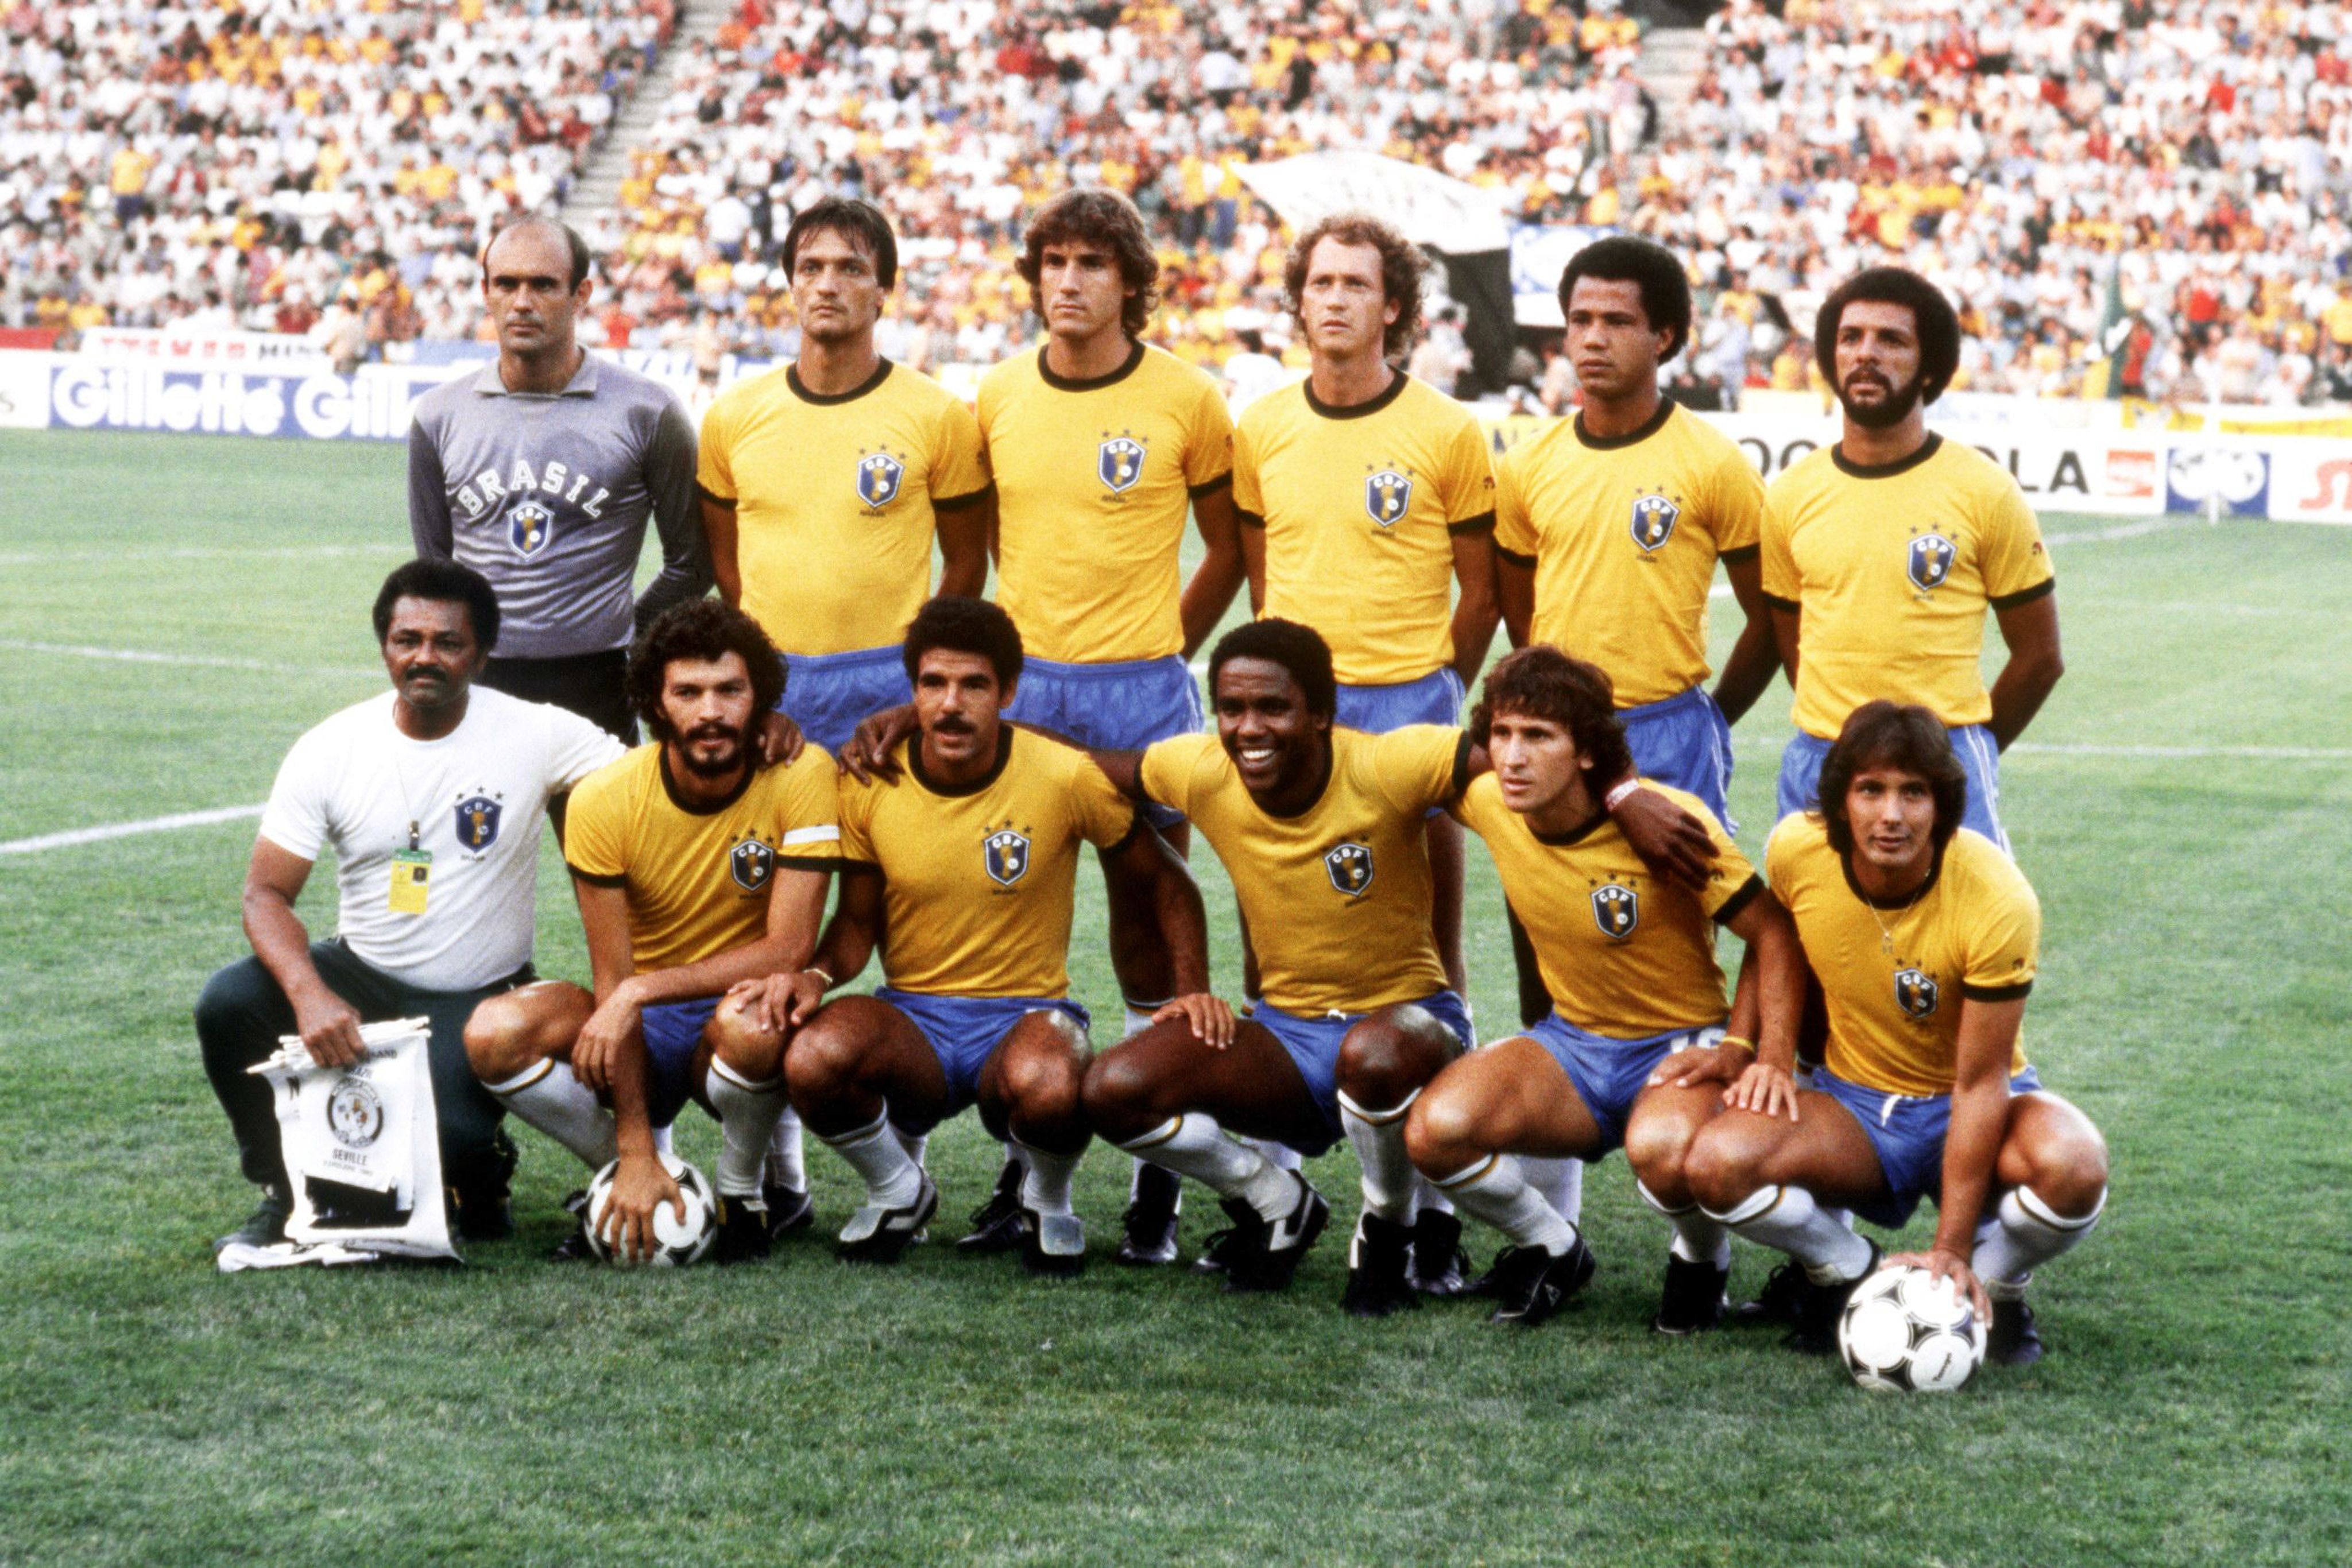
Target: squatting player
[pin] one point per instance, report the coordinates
(1925, 937)
(1365, 496)
(1883, 553)
(962, 874)
(825, 484)
(1099, 446)
(696, 867)
(1320, 828)
(1628, 957)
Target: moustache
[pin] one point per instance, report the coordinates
(951, 725)
(714, 731)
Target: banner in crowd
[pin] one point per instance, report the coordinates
(1427, 207)
(1539, 254)
(222, 346)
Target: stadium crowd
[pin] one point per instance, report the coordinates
(2155, 184)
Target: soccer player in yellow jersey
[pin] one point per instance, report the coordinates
(1925, 938)
(962, 875)
(1883, 553)
(1100, 448)
(696, 867)
(825, 484)
(1608, 526)
(1365, 496)
(1629, 958)
(1321, 828)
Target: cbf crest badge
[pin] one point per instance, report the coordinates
(1118, 463)
(878, 479)
(751, 863)
(1915, 992)
(1929, 562)
(1388, 495)
(477, 821)
(1006, 853)
(1654, 522)
(1616, 909)
(528, 527)
(1349, 867)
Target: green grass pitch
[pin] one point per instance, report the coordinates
(2194, 1407)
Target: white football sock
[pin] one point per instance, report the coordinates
(787, 1167)
(1697, 1237)
(1194, 1146)
(547, 1096)
(1495, 1190)
(1045, 1184)
(1137, 1017)
(747, 1123)
(2026, 1233)
(1378, 1138)
(1560, 1181)
(917, 1146)
(1281, 1157)
(893, 1179)
(1787, 1219)
(664, 1143)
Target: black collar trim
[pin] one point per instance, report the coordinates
(1089, 383)
(1935, 871)
(800, 388)
(1575, 835)
(1356, 410)
(742, 785)
(1927, 448)
(1649, 427)
(995, 768)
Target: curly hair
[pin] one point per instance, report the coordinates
(1541, 682)
(1402, 266)
(706, 631)
(1623, 258)
(963, 625)
(1299, 649)
(1109, 220)
(1934, 321)
(1882, 733)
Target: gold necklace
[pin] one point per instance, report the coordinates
(1886, 932)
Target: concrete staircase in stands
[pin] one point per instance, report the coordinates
(599, 180)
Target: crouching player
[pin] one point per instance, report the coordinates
(696, 867)
(1322, 832)
(1924, 938)
(1629, 960)
(963, 876)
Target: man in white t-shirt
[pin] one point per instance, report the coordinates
(431, 796)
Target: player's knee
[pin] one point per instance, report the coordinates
(2071, 1174)
(1657, 1145)
(1719, 1169)
(1379, 1068)
(1439, 1131)
(1115, 1094)
(499, 1039)
(821, 1061)
(750, 1051)
(227, 1012)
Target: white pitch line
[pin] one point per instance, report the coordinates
(2120, 531)
(1767, 745)
(202, 660)
(200, 552)
(126, 829)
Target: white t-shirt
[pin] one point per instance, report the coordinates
(476, 796)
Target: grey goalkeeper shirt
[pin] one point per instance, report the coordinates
(547, 497)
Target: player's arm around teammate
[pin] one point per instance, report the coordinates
(1630, 959)
(668, 851)
(1924, 938)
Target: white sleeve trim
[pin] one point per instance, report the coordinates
(825, 834)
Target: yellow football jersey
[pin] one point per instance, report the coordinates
(1623, 533)
(1337, 898)
(1359, 506)
(1894, 977)
(836, 499)
(1095, 482)
(1624, 953)
(697, 879)
(978, 879)
(1894, 568)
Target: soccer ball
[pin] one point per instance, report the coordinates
(675, 1243)
(1904, 1328)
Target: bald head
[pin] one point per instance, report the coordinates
(543, 236)
(535, 284)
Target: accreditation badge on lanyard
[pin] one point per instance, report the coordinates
(411, 878)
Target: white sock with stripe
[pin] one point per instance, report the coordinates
(1699, 1237)
(787, 1164)
(747, 1123)
(1560, 1181)
(893, 1179)
(1045, 1181)
(2025, 1234)
(1495, 1190)
(1378, 1138)
(547, 1096)
(1787, 1219)
(1193, 1145)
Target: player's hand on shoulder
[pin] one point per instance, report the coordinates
(330, 1028)
(867, 756)
(1945, 1264)
(780, 741)
(1764, 1089)
(1208, 1017)
(640, 1187)
(598, 1046)
(1671, 842)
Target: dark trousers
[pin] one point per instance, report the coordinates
(243, 1012)
(593, 686)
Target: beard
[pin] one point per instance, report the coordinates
(1889, 410)
(718, 767)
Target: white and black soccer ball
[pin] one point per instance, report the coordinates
(677, 1242)
(1903, 1328)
